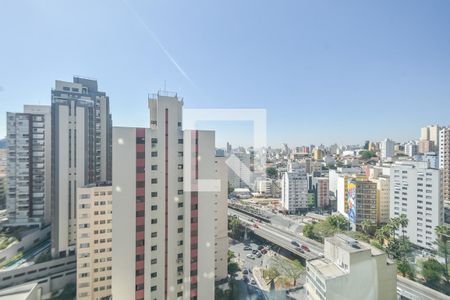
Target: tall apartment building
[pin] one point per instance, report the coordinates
(239, 172)
(350, 270)
(169, 191)
(357, 199)
(94, 241)
(3, 178)
(416, 192)
(444, 163)
(320, 187)
(387, 149)
(430, 133)
(411, 148)
(294, 190)
(81, 152)
(29, 161)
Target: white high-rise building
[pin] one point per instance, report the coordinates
(415, 191)
(387, 149)
(169, 213)
(444, 163)
(294, 190)
(29, 166)
(81, 152)
(411, 148)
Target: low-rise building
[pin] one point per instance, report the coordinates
(350, 270)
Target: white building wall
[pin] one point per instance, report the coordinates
(415, 190)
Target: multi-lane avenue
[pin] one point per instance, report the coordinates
(283, 237)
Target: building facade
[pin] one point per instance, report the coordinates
(350, 270)
(29, 160)
(415, 191)
(444, 163)
(81, 152)
(94, 241)
(430, 133)
(169, 214)
(387, 149)
(294, 190)
(321, 191)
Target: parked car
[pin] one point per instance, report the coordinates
(251, 256)
(247, 248)
(264, 251)
(254, 251)
(260, 247)
(253, 281)
(304, 247)
(245, 278)
(258, 255)
(245, 271)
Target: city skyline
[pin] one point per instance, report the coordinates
(342, 64)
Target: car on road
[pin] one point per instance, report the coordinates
(295, 243)
(247, 248)
(245, 271)
(299, 249)
(251, 256)
(304, 247)
(255, 225)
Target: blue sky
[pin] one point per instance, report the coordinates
(326, 71)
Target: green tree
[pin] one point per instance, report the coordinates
(236, 227)
(338, 221)
(230, 255)
(365, 154)
(432, 271)
(271, 275)
(272, 173)
(405, 268)
(308, 231)
(291, 269)
(366, 225)
(233, 267)
(443, 234)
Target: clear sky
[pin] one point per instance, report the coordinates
(326, 71)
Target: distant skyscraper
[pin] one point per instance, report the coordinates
(29, 166)
(169, 213)
(81, 152)
(444, 163)
(431, 133)
(410, 148)
(387, 149)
